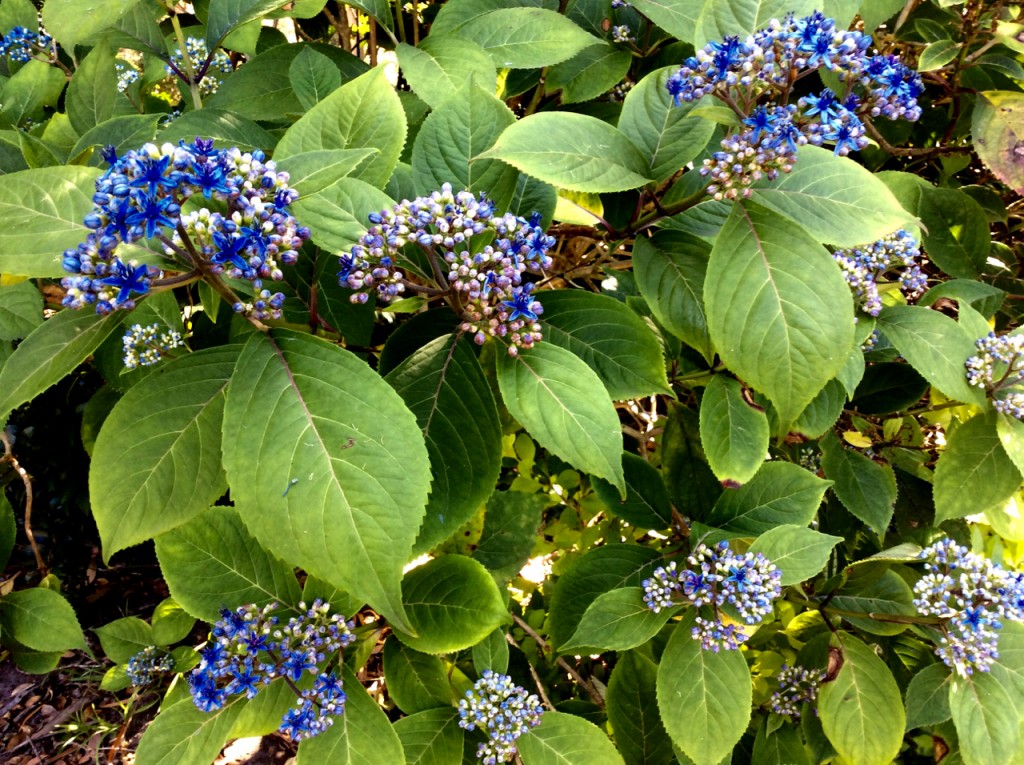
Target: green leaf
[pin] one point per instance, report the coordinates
(677, 17)
(594, 70)
(780, 493)
(416, 681)
(704, 697)
(974, 472)
(51, 351)
(362, 735)
(564, 739)
(171, 623)
(647, 504)
(998, 128)
(935, 345)
(928, 697)
(633, 712)
(937, 54)
(1009, 669)
(315, 171)
(126, 132)
(684, 468)
(870, 595)
(452, 603)
(510, 532)
(744, 17)
(782, 746)
(140, 24)
(213, 562)
(168, 429)
(986, 720)
(337, 214)
(1011, 436)
(779, 312)
(572, 151)
(225, 128)
(32, 87)
(228, 15)
(439, 66)
(93, 96)
(71, 22)
(18, 13)
(610, 338)
(362, 114)
(183, 733)
(615, 621)
(861, 710)
(491, 653)
(564, 405)
(8, 530)
(670, 269)
(866, 488)
(444, 386)
(121, 639)
(21, 310)
(313, 77)
(432, 737)
(526, 38)
(797, 552)
(360, 494)
(734, 432)
(43, 210)
(462, 127)
(40, 619)
(823, 411)
(668, 135)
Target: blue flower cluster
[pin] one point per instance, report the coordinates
(203, 69)
(796, 686)
(148, 665)
(998, 367)
(972, 594)
(755, 78)
(739, 587)
(484, 256)
(247, 650)
(503, 711)
(127, 75)
(146, 346)
(140, 197)
(863, 267)
(22, 44)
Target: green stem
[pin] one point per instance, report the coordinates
(686, 203)
(190, 71)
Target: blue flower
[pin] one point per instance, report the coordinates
(521, 304)
(230, 249)
(209, 178)
(154, 212)
(127, 278)
(152, 176)
(762, 123)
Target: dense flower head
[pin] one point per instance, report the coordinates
(740, 587)
(863, 266)
(127, 75)
(146, 346)
(796, 686)
(972, 594)
(759, 72)
(503, 711)
(148, 665)
(21, 44)
(998, 368)
(248, 648)
(249, 235)
(209, 82)
(481, 255)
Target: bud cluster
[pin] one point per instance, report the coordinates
(503, 711)
(743, 586)
(146, 346)
(148, 665)
(22, 44)
(864, 266)
(998, 367)
(248, 649)
(127, 75)
(140, 197)
(972, 594)
(203, 65)
(796, 686)
(479, 256)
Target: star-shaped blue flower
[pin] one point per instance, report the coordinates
(153, 212)
(127, 279)
(520, 305)
(229, 250)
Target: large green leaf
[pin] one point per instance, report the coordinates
(77, 21)
(157, 459)
(526, 38)
(572, 151)
(40, 619)
(615, 621)
(866, 488)
(564, 739)
(670, 269)
(213, 562)
(315, 171)
(358, 492)
(440, 66)
(93, 96)
(744, 17)
(733, 430)
(129, 131)
(121, 639)
(704, 696)
(1009, 670)
(432, 737)
(313, 77)
(183, 733)
(986, 719)
(510, 532)
(21, 310)
(677, 17)
(452, 603)
(780, 493)
(613, 341)
(928, 696)
(227, 15)
(593, 71)
(416, 681)
(668, 135)
(861, 710)
(564, 405)
(32, 87)
(782, 746)
(833, 198)
(362, 114)
(647, 504)
(225, 128)
(998, 129)
(464, 126)
(337, 214)
(974, 472)
(491, 653)
(632, 708)
(444, 386)
(51, 351)
(876, 596)
(797, 552)
(779, 312)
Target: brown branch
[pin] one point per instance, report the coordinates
(570, 670)
(536, 678)
(27, 480)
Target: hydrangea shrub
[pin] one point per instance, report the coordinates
(616, 383)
